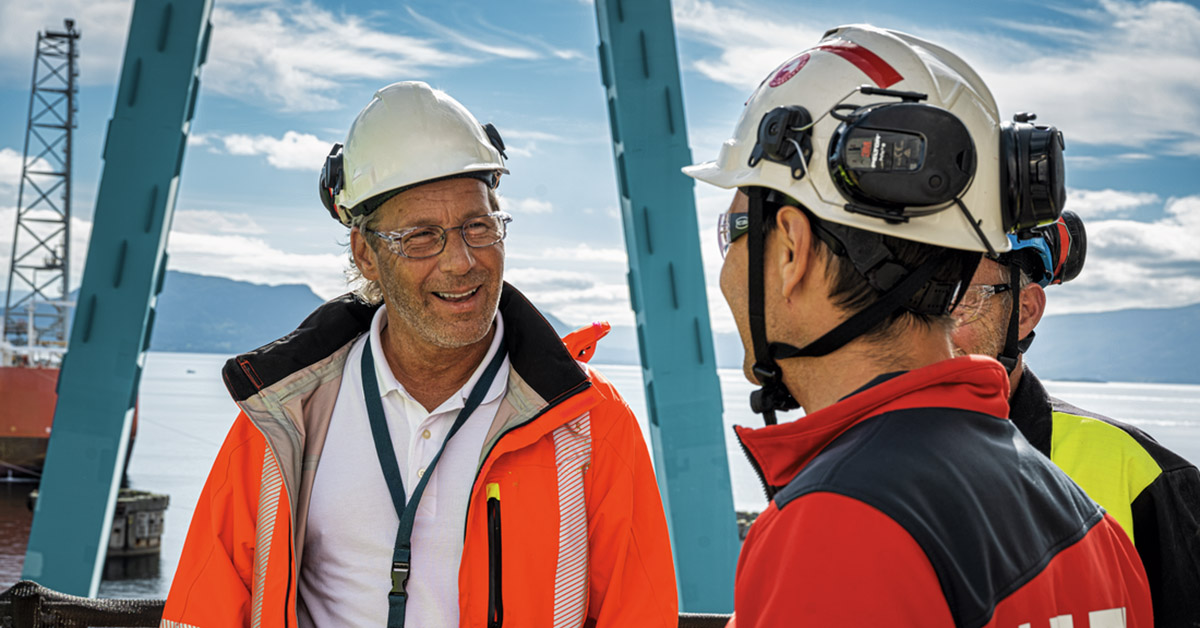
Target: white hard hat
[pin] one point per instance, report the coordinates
(407, 135)
(940, 140)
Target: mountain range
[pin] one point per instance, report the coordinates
(202, 314)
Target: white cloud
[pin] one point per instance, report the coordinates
(522, 206)
(473, 41)
(252, 259)
(1133, 264)
(746, 53)
(298, 57)
(103, 25)
(584, 253)
(1091, 204)
(209, 221)
(10, 168)
(293, 151)
(1126, 80)
(575, 297)
(523, 134)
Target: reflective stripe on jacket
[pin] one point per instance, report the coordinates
(584, 537)
(1151, 491)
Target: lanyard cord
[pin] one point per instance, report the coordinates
(407, 509)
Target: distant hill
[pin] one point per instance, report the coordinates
(201, 314)
(1160, 345)
(1123, 346)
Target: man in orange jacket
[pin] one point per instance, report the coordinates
(425, 451)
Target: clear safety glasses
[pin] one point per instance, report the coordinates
(971, 307)
(430, 240)
(731, 226)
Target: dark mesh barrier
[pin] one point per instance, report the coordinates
(30, 605)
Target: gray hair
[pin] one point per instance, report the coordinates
(369, 291)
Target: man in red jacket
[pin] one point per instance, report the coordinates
(871, 171)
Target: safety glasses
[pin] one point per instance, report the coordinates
(430, 240)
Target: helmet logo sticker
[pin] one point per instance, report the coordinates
(789, 70)
(867, 62)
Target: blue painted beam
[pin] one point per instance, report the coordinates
(640, 71)
(126, 260)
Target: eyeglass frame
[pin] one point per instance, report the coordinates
(992, 289)
(396, 246)
(730, 227)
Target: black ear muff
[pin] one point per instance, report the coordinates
(331, 181)
(886, 158)
(494, 137)
(1032, 178)
(784, 137)
(1076, 245)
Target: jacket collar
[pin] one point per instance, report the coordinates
(534, 348)
(1031, 411)
(973, 383)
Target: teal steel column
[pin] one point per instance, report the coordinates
(640, 71)
(126, 262)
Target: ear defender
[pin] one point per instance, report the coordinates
(494, 137)
(887, 158)
(331, 181)
(1032, 183)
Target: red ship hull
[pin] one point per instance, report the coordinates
(27, 399)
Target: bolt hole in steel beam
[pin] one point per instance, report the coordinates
(646, 230)
(164, 30)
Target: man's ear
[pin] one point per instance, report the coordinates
(1033, 305)
(795, 236)
(364, 255)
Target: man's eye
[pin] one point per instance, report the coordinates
(424, 234)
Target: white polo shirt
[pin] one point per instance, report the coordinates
(347, 567)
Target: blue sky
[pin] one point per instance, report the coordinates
(285, 79)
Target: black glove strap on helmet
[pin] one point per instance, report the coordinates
(1012, 347)
(774, 394)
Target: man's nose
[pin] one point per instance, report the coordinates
(457, 258)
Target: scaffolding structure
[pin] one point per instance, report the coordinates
(36, 307)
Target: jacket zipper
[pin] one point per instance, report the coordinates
(768, 490)
(569, 394)
(495, 573)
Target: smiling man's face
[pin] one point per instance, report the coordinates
(448, 300)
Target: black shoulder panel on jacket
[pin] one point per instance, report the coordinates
(535, 350)
(326, 330)
(987, 509)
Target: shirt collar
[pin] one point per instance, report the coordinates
(388, 382)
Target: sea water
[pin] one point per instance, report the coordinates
(184, 413)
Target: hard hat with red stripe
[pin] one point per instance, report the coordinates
(877, 130)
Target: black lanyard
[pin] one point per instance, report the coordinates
(402, 554)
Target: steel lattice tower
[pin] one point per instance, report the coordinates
(40, 265)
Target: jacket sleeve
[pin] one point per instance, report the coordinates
(632, 575)
(1166, 524)
(830, 560)
(212, 582)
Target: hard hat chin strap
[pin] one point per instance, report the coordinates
(774, 394)
(914, 291)
(1013, 346)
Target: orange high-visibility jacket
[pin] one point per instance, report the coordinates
(584, 537)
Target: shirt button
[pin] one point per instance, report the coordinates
(425, 434)
(421, 472)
